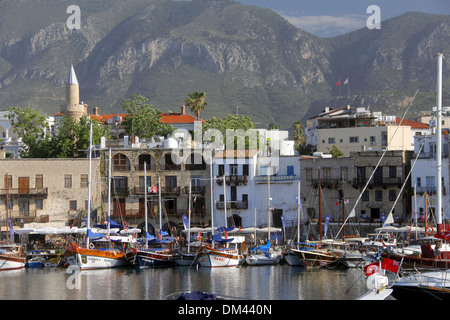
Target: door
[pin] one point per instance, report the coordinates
(24, 185)
(118, 205)
(24, 206)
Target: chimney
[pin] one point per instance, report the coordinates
(95, 110)
(183, 110)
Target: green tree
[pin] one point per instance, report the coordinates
(335, 152)
(72, 137)
(143, 120)
(196, 101)
(29, 125)
(238, 126)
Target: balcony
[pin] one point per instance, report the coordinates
(232, 179)
(330, 183)
(171, 190)
(377, 181)
(24, 215)
(24, 192)
(232, 205)
(430, 190)
(119, 191)
(277, 178)
(150, 167)
(194, 189)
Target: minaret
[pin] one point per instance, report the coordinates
(73, 108)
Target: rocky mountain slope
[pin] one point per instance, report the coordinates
(247, 59)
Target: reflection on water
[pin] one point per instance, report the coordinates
(280, 282)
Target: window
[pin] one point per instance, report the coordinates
(233, 169)
(365, 195)
(39, 181)
(331, 140)
(83, 181)
(72, 205)
(418, 182)
(39, 204)
(392, 172)
(326, 174)
(392, 195)
(245, 170)
(221, 170)
(354, 139)
(67, 181)
(373, 140)
(378, 195)
(308, 174)
(290, 171)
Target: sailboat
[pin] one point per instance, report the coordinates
(264, 255)
(187, 256)
(160, 251)
(433, 255)
(12, 257)
(221, 252)
(99, 252)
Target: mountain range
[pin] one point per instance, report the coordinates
(249, 60)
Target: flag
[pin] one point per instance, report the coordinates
(386, 264)
(346, 81)
(338, 83)
(337, 202)
(185, 221)
(327, 222)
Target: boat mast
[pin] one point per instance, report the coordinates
(211, 195)
(298, 215)
(145, 203)
(224, 200)
(88, 223)
(343, 209)
(189, 219)
(109, 192)
(7, 205)
(439, 224)
(159, 205)
(320, 208)
(268, 200)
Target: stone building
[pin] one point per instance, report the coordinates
(173, 168)
(50, 191)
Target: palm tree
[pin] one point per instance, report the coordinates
(196, 101)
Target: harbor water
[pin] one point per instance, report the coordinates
(279, 282)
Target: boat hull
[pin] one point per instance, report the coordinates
(88, 259)
(220, 258)
(185, 259)
(148, 258)
(294, 260)
(11, 263)
(262, 259)
(314, 258)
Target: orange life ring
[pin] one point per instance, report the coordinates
(174, 229)
(124, 223)
(429, 232)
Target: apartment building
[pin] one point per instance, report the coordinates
(423, 175)
(357, 129)
(50, 191)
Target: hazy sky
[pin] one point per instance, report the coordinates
(329, 18)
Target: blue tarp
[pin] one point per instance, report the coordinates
(112, 224)
(263, 248)
(91, 234)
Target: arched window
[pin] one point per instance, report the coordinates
(120, 162)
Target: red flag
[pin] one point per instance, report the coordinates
(338, 83)
(386, 264)
(337, 202)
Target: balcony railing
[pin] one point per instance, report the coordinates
(332, 183)
(377, 181)
(429, 190)
(232, 205)
(194, 189)
(171, 190)
(119, 191)
(277, 178)
(150, 167)
(28, 192)
(233, 179)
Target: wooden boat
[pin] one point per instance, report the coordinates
(314, 257)
(11, 257)
(94, 257)
(215, 257)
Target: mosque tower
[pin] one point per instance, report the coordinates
(73, 108)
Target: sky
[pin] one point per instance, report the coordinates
(329, 18)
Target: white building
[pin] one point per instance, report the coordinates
(424, 172)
